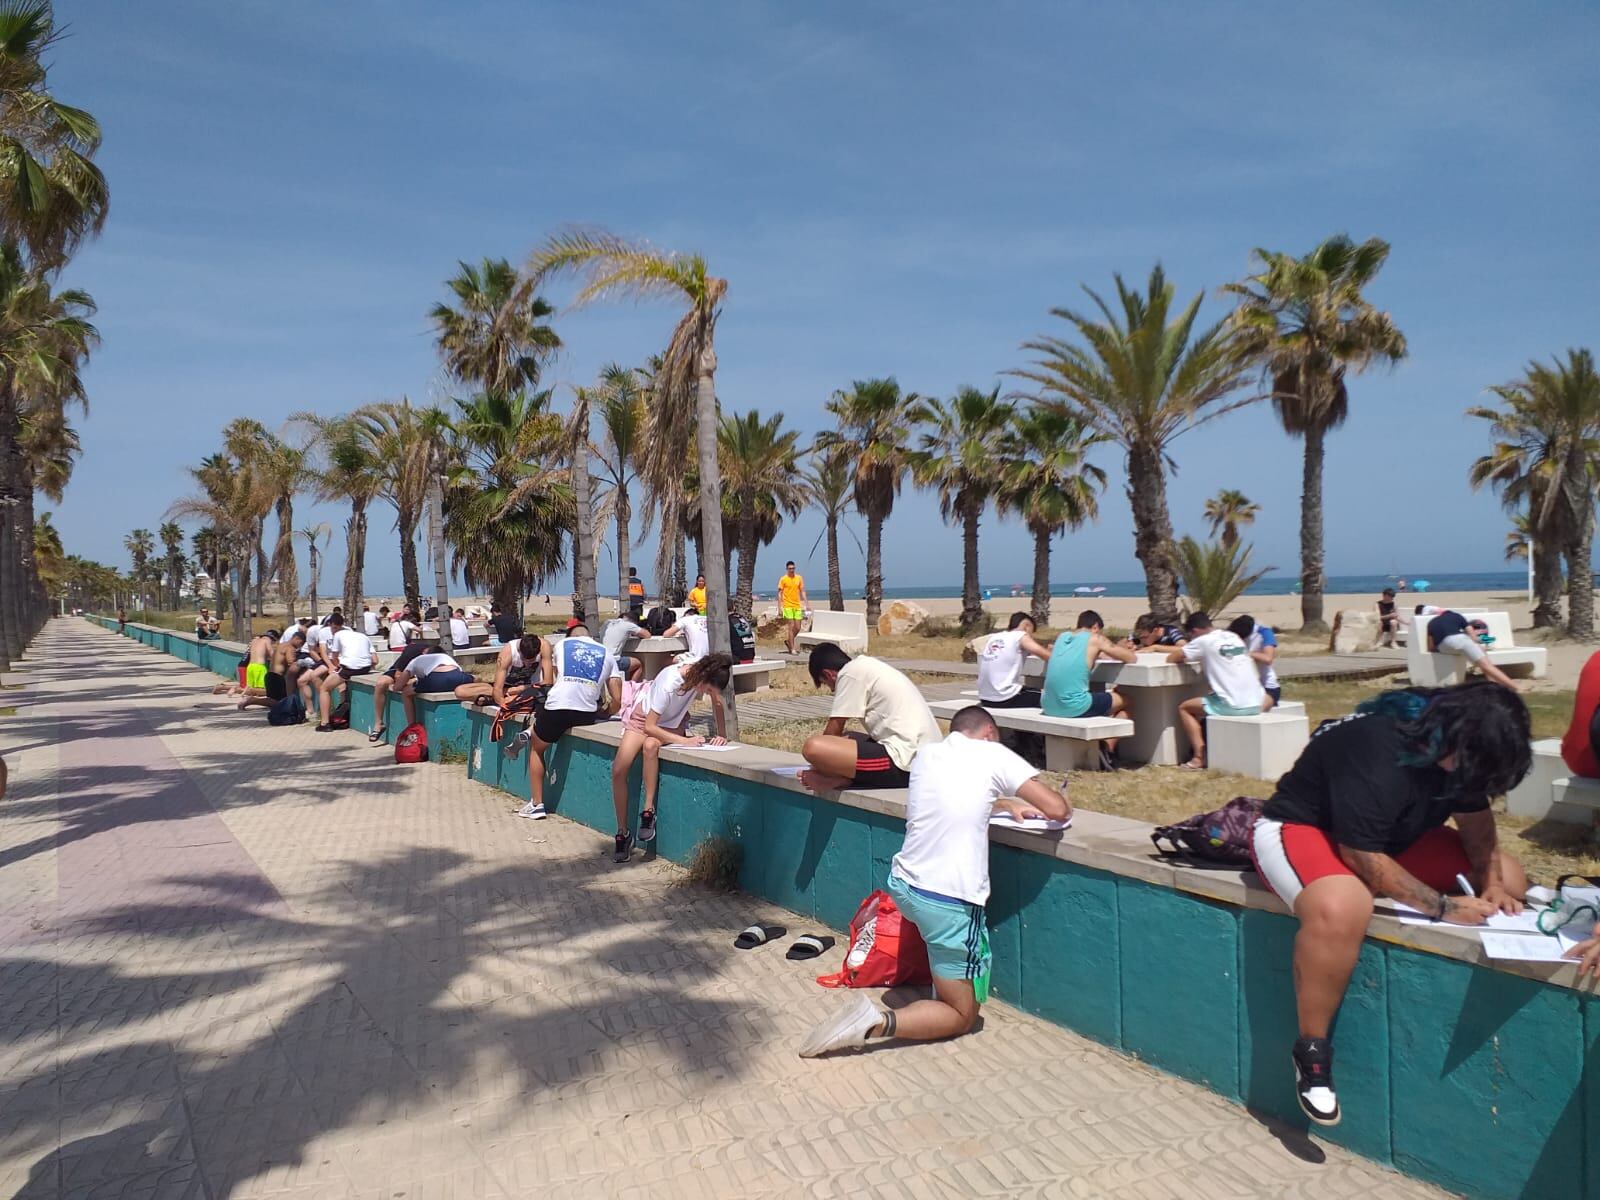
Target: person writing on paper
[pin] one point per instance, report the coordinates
(897, 720)
(940, 880)
(1231, 675)
(660, 717)
(1363, 813)
(1066, 679)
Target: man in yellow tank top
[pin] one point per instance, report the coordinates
(791, 603)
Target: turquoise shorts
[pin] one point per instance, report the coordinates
(1218, 707)
(956, 934)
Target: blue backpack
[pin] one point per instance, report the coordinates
(291, 710)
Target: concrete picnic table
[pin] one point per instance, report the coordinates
(654, 652)
(1153, 689)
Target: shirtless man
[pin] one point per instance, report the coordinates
(260, 654)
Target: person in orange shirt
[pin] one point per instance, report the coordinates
(791, 603)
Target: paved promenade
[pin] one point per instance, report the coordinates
(238, 961)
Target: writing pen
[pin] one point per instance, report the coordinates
(1466, 886)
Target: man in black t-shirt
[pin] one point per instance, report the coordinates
(507, 627)
(1388, 617)
(1363, 813)
(1451, 633)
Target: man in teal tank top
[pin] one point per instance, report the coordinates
(1066, 679)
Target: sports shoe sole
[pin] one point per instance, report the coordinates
(847, 1027)
(1311, 1113)
(537, 814)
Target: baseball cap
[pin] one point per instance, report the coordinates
(574, 623)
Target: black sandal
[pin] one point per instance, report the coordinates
(758, 935)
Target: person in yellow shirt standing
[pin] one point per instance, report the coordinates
(791, 603)
(697, 594)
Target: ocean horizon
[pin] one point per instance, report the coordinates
(1272, 585)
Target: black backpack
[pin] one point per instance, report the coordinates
(658, 620)
(1220, 838)
(291, 710)
(339, 718)
(741, 639)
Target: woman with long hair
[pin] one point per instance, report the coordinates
(660, 717)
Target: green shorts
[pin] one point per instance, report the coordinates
(255, 676)
(1218, 707)
(794, 614)
(956, 934)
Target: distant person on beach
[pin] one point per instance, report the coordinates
(1388, 617)
(1150, 634)
(896, 718)
(1363, 813)
(122, 621)
(940, 881)
(1451, 633)
(517, 667)
(579, 675)
(613, 634)
(1231, 675)
(791, 603)
(697, 594)
(1262, 643)
(1580, 745)
(635, 596)
(1001, 663)
(1066, 680)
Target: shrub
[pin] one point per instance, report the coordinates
(716, 863)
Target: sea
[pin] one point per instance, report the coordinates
(1272, 585)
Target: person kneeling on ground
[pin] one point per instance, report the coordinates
(1362, 814)
(940, 880)
(434, 674)
(261, 653)
(579, 674)
(1231, 675)
(1066, 680)
(1001, 663)
(896, 717)
(1451, 633)
(660, 717)
(389, 680)
(349, 654)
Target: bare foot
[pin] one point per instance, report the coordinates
(816, 781)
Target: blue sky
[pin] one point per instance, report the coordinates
(889, 189)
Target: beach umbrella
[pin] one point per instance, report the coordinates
(1097, 590)
(1083, 590)
(1420, 585)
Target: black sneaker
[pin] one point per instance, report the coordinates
(1313, 1073)
(624, 850)
(324, 728)
(1108, 758)
(647, 825)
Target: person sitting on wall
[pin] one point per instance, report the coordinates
(389, 680)
(940, 881)
(1151, 634)
(349, 654)
(516, 667)
(1451, 633)
(1231, 675)
(436, 673)
(1363, 813)
(1066, 679)
(202, 624)
(896, 717)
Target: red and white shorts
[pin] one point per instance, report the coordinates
(1291, 856)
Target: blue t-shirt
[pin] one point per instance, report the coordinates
(1066, 679)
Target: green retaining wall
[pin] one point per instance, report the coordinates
(1468, 1075)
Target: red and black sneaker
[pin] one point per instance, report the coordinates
(1313, 1073)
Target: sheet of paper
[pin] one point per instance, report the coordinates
(1525, 921)
(791, 772)
(709, 748)
(1523, 948)
(1007, 821)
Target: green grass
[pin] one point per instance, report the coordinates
(8, 711)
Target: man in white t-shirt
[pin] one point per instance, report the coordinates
(349, 654)
(896, 718)
(1231, 675)
(691, 627)
(1001, 661)
(580, 674)
(369, 621)
(460, 635)
(940, 880)
(401, 630)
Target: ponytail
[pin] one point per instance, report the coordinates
(713, 669)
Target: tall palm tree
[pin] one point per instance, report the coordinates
(495, 336)
(575, 441)
(876, 424)
(622, 412)
(1306, 324)
(48, 556)
(282, 467)
(140, 545)
(760, 464)
(348, 470)
(1051, 484)
(1142, 380)
(830, 481)
(247, 443)
(962, 456)
(684, 386)
(1557, 409)
(401, 442)
(316, 538)
(210, 553)
(171, 535)
(1229, 509)
(228, 503)
(1523, 458)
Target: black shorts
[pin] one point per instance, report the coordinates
(352, 672)
(277, 687)
(874, 767)
(550, 723)
(1026, 698)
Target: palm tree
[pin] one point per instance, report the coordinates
(1214, 574)
(210, 553)
(1554, 412)
(1521, 462)
(48, 556)
(1141, 380)
(575, 447)
(622, 419)
(876, 423)
(963, 458)
(684, 386)
(228, 504)
(760, 463)
(495, 336)
(283, 476)
(830, 478)
(171, 535)
(1051, 484)
(140, 545)
(401, 442)
(314, 534)
(348, 470)
(1228, 510)
(1305, 323)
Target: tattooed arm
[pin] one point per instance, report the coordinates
(1480, 841)
(1386, 877)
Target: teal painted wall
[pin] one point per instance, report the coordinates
(1466, 1076)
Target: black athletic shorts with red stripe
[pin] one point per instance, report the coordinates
(874, 767)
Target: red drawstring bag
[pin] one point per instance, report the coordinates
(412, 745)
(885, 949)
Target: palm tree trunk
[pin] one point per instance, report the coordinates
(835, 584)
(743, 600)
(1041, 576)
(410, 576)
(583, 543)
(33, 621)
(261, 565)
(314, 568)
(1152, 530)
(714, 563)
(13, 480)
(216, 581)
(1580, 572)
(1547, 583)
(1312, 580)
(441, 579)
(241, 599)
(355, 558)
(623, 515)
(288, 570)
(971, 588)
(874, 569)
(680, 566)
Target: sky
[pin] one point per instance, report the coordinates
(889, 189)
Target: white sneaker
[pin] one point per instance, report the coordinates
(534, 812)
(848, 1026)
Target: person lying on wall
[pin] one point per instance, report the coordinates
(1363, 813)
(896, 718)
(391, 680)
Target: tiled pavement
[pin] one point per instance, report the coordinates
(243, 961)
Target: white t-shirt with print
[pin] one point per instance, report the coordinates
(1230, 671)
(696, 636)
(1000, 664)
(888, 706)
(353, 649)
(583, 666)
(954, 784)
(670, 705)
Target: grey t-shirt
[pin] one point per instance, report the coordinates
(618, 630)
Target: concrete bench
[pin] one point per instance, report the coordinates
(1070, 743)
(1551, 792)
(757, 675)
(1262, 747)
(1428, 669)
(847, 630)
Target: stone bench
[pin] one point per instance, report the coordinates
(756, 675)
(1551, 792)
(1262, 746)
(847, 630)
(1429, 669)
(1070, 743)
